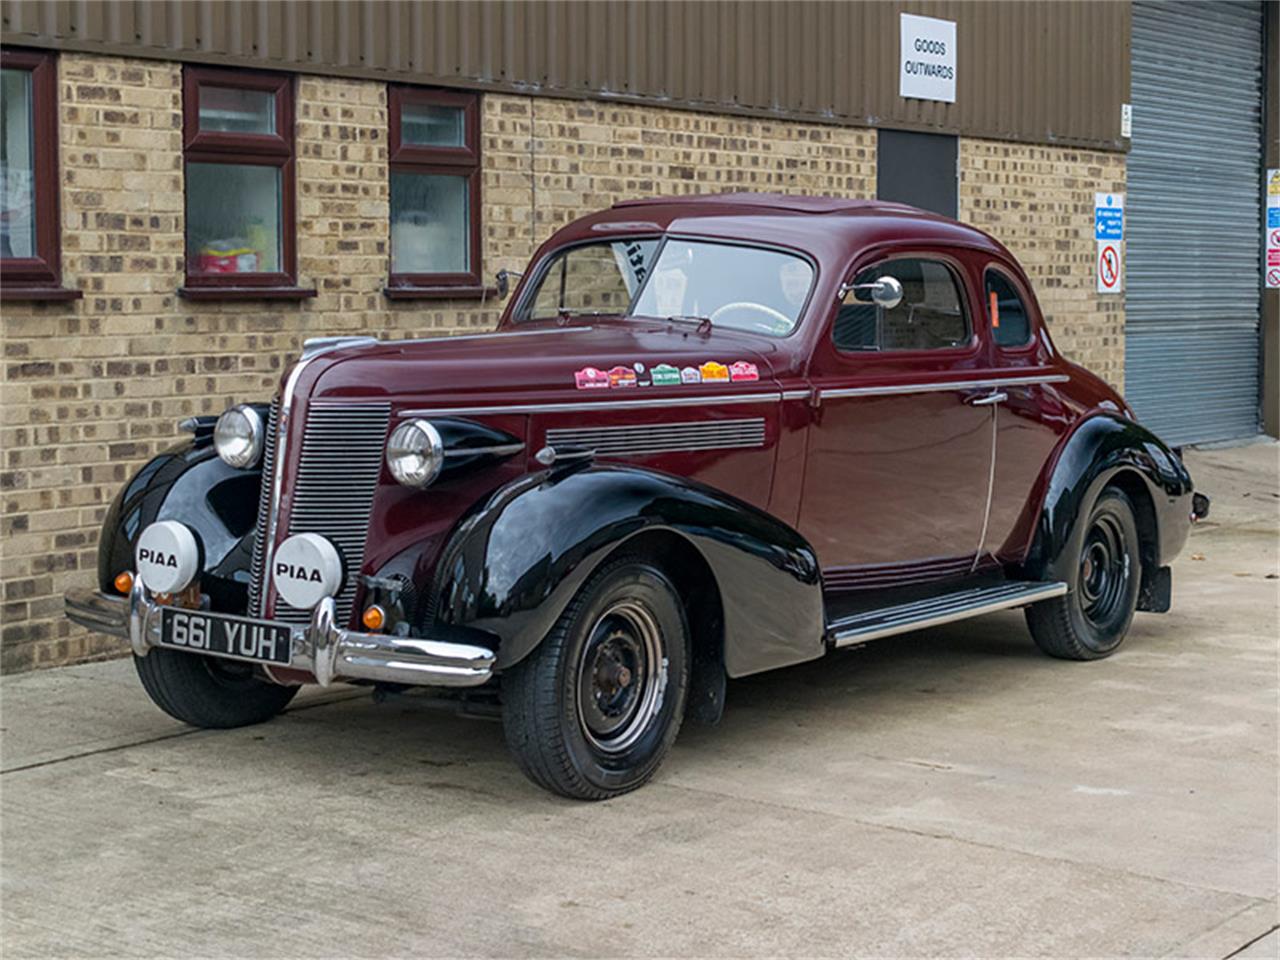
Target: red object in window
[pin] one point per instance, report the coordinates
(211, 267)
(460, 161)
(995, 310)
(236, 261)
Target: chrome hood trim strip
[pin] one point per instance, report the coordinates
(708, 400)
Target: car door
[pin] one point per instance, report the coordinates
(899, 453)
(1029, 421)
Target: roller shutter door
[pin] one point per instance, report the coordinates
(1193, 220)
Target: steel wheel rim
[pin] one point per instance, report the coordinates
(1104, 572)
(621, 677)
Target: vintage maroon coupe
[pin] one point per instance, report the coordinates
(711, 436)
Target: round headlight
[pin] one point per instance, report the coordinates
(415, 453)
(237, 436)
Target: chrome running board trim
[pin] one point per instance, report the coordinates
(934, 611)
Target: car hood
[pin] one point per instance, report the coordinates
(546, 362)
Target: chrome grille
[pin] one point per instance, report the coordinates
(256, 593)
(341, 459)
(646, 438)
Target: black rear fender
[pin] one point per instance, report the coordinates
(1108, 450)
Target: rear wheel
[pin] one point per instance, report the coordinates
(209, 692)
(593, 710)
(1090, 621)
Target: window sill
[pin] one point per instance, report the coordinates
(15, 293)
(440, 293)
(246, 293)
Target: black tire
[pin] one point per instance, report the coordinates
(593, 710)
(1090, 621)
(208, 692)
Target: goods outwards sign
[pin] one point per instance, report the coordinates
(1271, 232)
(928, 63)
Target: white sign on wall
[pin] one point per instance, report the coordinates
(1110, 266)
(928, 67)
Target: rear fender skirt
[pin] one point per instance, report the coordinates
(188, 483)
(512, 567)
(1094, 455)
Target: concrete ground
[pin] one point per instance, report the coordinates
(950, 793)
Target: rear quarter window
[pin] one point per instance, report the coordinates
(1006, 313)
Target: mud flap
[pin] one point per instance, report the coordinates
(1156, 595)
(707, 683)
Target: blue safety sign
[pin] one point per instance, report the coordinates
(1273, 217)
(1108, 216)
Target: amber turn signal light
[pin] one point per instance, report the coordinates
(374, 617)
(123, 582)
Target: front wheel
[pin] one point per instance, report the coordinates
(593, 710)
(1090, 621)
(207, 691)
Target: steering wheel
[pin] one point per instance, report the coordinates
(783, 322)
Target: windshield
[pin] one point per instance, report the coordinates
(743, 288)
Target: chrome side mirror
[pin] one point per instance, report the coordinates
(885, 292)
(503, 282)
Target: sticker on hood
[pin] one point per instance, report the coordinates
(713, 372)
(590, 378)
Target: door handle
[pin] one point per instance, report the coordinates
(988, 399)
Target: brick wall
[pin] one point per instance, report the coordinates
(1038, 201)
(94, 388)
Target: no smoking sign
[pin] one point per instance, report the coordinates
(1109, 267)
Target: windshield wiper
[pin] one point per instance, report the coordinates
(574, 314)
(704, 323)
(674, 318)
(688, 319)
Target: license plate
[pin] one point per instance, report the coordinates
(225, 636)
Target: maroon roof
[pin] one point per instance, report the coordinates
(846, 227)
(790, 203)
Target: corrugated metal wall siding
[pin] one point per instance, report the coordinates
(1194, 220)
(1039, 72)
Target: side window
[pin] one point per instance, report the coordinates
(1010, 326)
(930, 316)
(594, 278)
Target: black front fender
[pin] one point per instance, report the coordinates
(189, 483)
(1107, 449)
(512, 567)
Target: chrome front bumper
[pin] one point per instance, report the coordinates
(320, 648)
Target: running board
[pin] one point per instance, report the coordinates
(962, 605)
